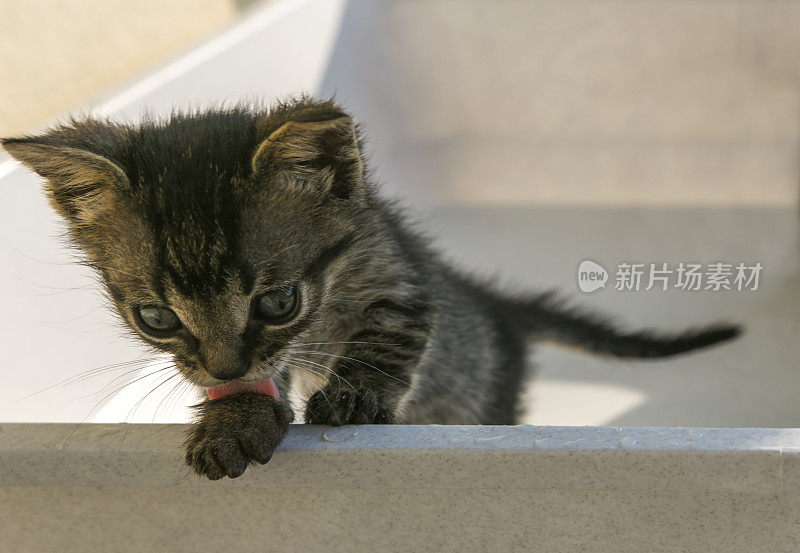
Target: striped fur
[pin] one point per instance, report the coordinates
(204, 212)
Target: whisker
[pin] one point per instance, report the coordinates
(55, 290)
(87, 374)
(101, 403)
(312, 383)
(165, 401)
(79, 317)
(136, 408)
(111, 382)
(325, 368)
(47, 294)
(138, 403)
(25, 255)
(304, 368)
(352, 359)
(58, 288)
(136, 367)
(343, 343)
(132, 411)
(296, 366)
(126, 384)
(186, 386)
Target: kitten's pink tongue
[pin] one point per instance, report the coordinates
(264, 387)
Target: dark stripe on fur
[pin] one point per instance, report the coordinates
(328, 256)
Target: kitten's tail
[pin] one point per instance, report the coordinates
(544, 319)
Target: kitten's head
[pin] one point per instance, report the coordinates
(215, 233)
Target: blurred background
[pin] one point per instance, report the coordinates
(526, 136)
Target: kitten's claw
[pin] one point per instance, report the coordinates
(233, 432)
(338, 406)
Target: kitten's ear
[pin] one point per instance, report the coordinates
(80, 184)
(318, 154)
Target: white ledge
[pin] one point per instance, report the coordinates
(753, 461)
(406, 488)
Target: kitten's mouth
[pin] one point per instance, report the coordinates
(264, 387)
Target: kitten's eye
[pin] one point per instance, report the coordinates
(279, 305)
(158, 320)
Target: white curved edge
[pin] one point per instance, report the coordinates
(8, 167)
(246, 27)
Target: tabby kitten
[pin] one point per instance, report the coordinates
(252, 246)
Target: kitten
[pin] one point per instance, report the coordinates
(252, 246)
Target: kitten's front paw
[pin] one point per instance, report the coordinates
(338, 406)
(233, 432)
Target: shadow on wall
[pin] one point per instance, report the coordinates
(508, 103)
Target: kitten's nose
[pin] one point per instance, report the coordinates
(223, 359)
(227, 373)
